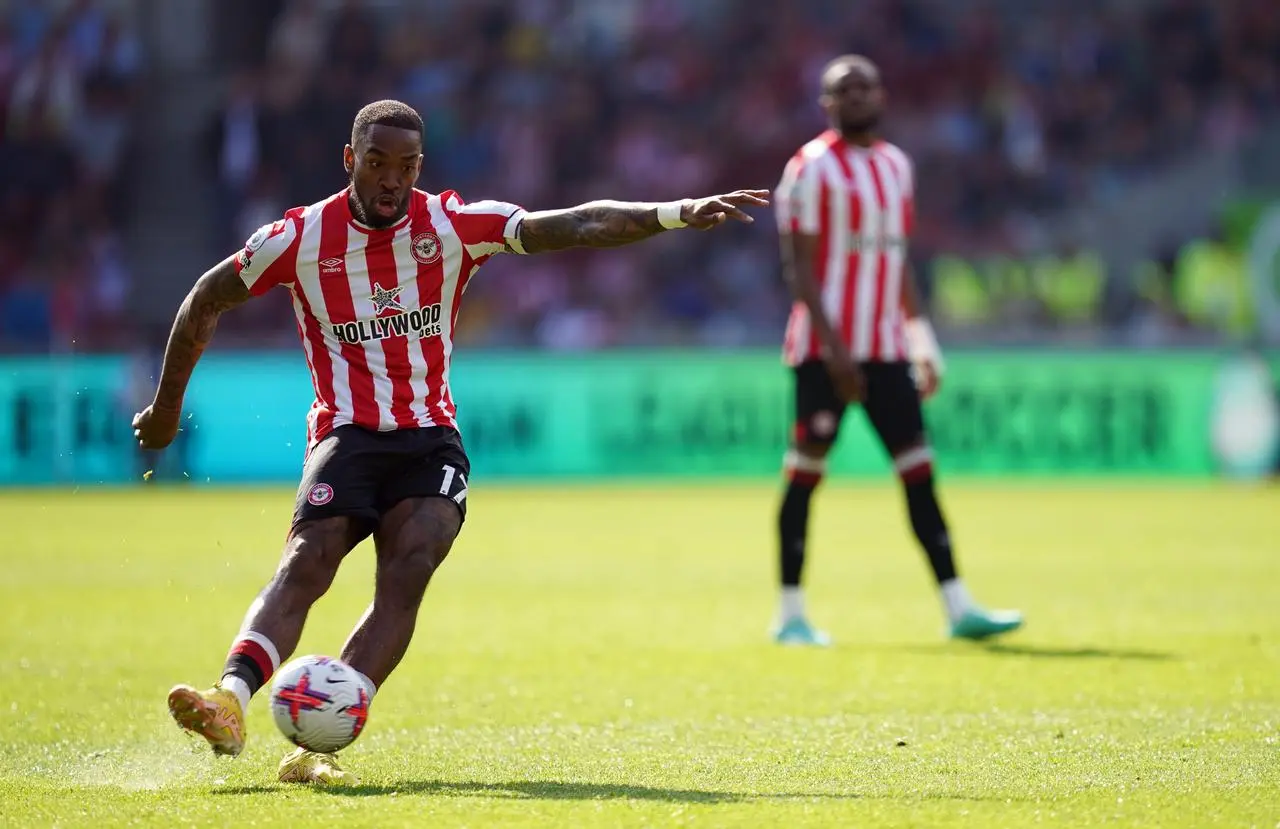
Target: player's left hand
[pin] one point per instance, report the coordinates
(156, 427)
(928, 378)
(706, 213)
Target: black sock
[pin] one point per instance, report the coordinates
(793, 525)
(930, 528)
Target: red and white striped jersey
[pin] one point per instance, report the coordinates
(376, 308)
(859, 203)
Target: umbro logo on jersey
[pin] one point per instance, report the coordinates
(331, 266)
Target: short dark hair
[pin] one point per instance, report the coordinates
(850, 62)
(386, 113)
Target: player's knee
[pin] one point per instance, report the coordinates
(413, 542)
(914, 463)
(806, 463)
(405, 573)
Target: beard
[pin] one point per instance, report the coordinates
(865, 123)
(365, 213)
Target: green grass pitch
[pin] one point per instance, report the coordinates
(597, 656)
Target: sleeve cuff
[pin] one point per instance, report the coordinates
(511, 233)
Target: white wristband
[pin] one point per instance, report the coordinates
(921, 343)
(669, 215)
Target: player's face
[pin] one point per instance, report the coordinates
(853, 97)
(384, 166)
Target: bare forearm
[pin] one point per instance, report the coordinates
(797, 270)
(217, 291)
(192, 330)
(598, 224)
(911, 305)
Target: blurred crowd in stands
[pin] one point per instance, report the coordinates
(1010, 116)
(69, 78)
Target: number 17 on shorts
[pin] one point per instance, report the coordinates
(453, 484)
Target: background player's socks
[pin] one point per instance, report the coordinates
(252, 661)
(915, 468)
(956, 599)
(791, 603)
(803, 476)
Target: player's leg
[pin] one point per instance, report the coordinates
(422, 504)
(335, 509)
(818, 413)
(893, 407)
(413, 541)
(423, 507)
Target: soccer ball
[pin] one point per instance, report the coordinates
(319, 703)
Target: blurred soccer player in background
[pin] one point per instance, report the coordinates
(857, 335)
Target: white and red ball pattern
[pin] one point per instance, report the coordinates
(319, 703)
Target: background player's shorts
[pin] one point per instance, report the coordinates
(892, 404)
(362, 473)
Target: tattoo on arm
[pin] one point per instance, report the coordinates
(597, 224)
(219, 290)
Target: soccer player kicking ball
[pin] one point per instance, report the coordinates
(856, 332)
(376, 274)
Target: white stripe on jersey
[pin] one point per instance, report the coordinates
(451, 270)
(868, 263)
(402, 248)
(309, 280)
(834, 287)
(890, 321)
(375, 354)
(307, 348)
(266, 255)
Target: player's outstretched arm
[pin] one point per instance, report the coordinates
(608, 223)
(219, 290)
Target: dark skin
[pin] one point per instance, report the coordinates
(853, 98)
(415, 535)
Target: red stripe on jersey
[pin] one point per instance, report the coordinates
(878, 346)
(469, 267)
(430, 282)
(814, 346)
(321, 365)
(318, 361)
(898, 165)
(338, 301)
(845, 321)
(380, 259)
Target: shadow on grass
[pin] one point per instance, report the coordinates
(521, 789)
(1080, 652)
(1040, 652)
(555, 790)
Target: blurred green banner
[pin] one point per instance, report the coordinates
(642, 414)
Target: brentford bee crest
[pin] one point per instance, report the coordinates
(426, 248)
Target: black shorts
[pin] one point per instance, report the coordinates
(891, 401)
(362, 473)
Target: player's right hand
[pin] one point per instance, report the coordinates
(847, 377)
(156, 427)
(704, 214)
